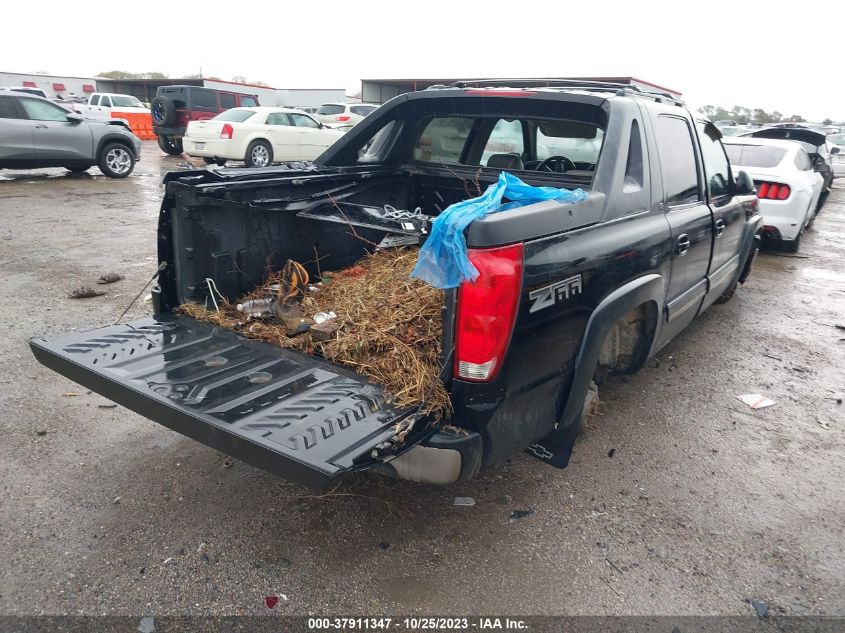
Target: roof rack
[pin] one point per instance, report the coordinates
(621, 89)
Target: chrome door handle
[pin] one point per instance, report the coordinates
(720, 227)
(41, 126)
(683, 244)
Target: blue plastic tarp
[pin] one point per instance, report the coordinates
(442, 261)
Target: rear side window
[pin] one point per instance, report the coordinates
(303, 120)
(716, 166)
(227, 100)
(443, 140)
(755, 155)
(236, 116)
(95, 100)
(8, 109)
(331, 108)
(249, 102)
(203, 99)
(361, 110)
(802, 161)
(677, 153)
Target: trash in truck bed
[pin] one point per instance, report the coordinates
(387, 327)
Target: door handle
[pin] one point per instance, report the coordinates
(720, 227)
(683, 244)
(41, 126)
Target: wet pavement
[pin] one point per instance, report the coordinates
(679, 498)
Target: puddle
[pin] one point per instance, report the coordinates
(822, 274)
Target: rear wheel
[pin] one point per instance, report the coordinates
(792, 246)
(116, 161)
(259, 154)
(208, 161)
(170, 145)
(728, 294)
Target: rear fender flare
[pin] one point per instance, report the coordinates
(750, 246)
(645, 289)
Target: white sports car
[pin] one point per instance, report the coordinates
(788, 188)
(258, 136)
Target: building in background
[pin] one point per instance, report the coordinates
(55, 86)
(382, 90)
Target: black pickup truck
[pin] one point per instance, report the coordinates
(572, 292)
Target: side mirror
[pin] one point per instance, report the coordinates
(75, 117)
(834, 150)
(744, 185)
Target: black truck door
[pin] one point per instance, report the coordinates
(689, 219)
(727, 209)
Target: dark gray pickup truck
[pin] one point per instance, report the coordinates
(567, 292)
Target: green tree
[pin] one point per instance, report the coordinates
(122, 74)
(827, 122)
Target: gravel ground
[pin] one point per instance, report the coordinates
(679, 498)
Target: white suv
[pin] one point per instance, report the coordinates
(340, 114)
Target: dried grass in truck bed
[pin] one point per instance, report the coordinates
(391, 326)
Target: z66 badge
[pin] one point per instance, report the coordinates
(558, 291)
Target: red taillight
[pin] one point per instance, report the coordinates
(486, 312)
(773, 191)
(227, 131)
(342, 117)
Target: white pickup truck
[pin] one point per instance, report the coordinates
(101, 105)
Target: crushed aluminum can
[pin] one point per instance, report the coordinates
(322, 317)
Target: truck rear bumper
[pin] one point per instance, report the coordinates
(294, 415)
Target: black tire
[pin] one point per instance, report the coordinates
(208, 161)
(822, 200)
(255, 152)
(116, 160)
(78, 169)
(170, 145)
(792, 246)
(590, 407)
(163, 111)
(728, 294)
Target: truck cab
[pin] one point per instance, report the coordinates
(102, 106)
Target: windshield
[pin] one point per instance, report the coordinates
(331, 108)
(126, 102)
(235, 115)
(754, 155)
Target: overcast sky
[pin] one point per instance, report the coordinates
(752, 53)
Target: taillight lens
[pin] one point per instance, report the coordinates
(486, 312)
(772, 191)
(227, 131)
(342, 117)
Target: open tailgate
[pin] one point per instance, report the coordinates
(292, 414)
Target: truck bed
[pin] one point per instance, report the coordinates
(292, 414)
